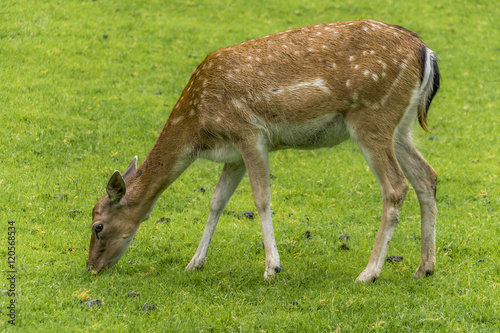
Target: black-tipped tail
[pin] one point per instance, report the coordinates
(431, 79)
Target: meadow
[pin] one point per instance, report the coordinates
(87, 85)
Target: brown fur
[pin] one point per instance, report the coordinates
(310, 87)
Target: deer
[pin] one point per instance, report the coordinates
(305, 88)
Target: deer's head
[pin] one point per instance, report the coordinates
(114, 224)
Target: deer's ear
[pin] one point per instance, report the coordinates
(130, 169)
(116, 187)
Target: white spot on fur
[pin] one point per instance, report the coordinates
(192, 112)
(334, 65)
(321, 84)
(356, 66)
(348, 83)
(351, 58)
(318, 83)
(375, 77)
(218, 119)
(366, 72)
(237, 103)
(384, 65)
(177, 120)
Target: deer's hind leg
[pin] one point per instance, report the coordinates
(376, 144)
(424, 180)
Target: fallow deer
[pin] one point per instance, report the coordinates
(310, 87)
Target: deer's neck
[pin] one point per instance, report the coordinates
(167, 160)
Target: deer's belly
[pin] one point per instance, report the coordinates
(326, 131)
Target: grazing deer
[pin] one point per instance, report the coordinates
(311, 87)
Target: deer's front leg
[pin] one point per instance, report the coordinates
(257, 163)
(231, 176)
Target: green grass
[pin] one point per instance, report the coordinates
(86, 85)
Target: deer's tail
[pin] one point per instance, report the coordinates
(430, 84)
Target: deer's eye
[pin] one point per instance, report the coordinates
(97, 229)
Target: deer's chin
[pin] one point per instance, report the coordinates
(95, 269)
(120, 254)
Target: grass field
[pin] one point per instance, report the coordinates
(86, 85)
